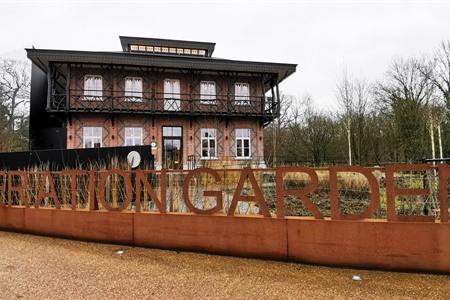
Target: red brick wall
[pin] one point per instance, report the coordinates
(113, 132)
(114, 84)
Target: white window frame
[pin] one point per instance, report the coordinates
(208, 95)
(136, 134)
(242, 139)
(88, 135)
(172, 100)
(133, 93)
(209, 138)
(241, 99)
(92, 94)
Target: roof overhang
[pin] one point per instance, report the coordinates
(42, 58)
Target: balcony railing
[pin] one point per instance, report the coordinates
(160, 103)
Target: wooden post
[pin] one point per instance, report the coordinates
(49, 85)
(68, 88)
(441, 156)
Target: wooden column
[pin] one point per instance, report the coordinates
(49, 85)
(68, 88)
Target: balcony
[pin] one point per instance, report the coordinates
(160, 103)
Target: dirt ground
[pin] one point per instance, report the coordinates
(34, 267)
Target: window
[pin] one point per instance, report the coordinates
(242, 93)
(133, 89)
(172, 131)
(92, 137)
(172, 94)
(208, 140)
(207, 92)
(172, 147)
(133, 136)
(93, 87)
(243, 143)
(166, 49)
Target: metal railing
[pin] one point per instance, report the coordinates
(225, 162)
(163, 103)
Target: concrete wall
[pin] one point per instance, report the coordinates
(378, 244)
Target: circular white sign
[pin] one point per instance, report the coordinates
(153, 144)
(134, 159)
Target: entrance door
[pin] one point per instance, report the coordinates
(172, 150)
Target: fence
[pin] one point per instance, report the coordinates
(58, 159)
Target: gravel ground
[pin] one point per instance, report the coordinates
(39, 267)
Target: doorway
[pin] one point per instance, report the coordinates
(172, 147)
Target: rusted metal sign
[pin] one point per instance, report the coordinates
(136, 183)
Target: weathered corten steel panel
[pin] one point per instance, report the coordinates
(412, 246)
(12, 218)
(241, 236)
(398, 243)
(378, 244)
(100, 226)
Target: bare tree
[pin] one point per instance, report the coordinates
(353, 96)
(437, 71)
(345, 96)
(405, 94)
(14, 89)
(310, 134)
(274, 132)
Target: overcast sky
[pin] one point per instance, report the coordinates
(322, 37)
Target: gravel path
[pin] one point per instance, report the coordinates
(34, 267)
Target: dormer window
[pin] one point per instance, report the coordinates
(167, 49)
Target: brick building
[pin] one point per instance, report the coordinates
(193, 108)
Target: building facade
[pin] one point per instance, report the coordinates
(193, 109)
